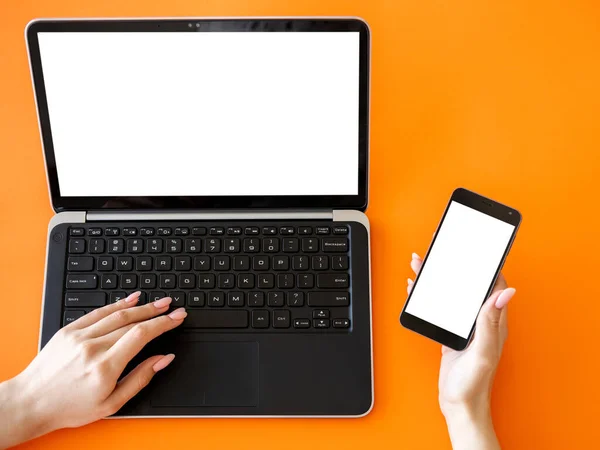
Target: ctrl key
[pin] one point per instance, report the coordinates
(72, 316)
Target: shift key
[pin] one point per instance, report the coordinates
(77, 281)
(85, 299)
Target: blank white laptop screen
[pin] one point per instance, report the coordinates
(203, 114)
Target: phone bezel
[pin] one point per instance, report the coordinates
(486, 206)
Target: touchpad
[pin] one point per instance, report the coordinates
(211, 374)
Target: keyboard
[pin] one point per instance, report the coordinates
(239, 277)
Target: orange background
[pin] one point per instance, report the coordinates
(502, 97)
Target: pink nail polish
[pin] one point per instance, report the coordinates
(505, 297)
(132, 297)
(415, 256)
(178, 314)
(163, 302)
(163, 362)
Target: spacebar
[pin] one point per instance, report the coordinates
(216, 319)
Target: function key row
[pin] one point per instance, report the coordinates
(212, 231)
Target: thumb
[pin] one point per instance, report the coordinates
(136, 380)
(490, 321)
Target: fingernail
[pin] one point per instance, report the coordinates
(163, 362)
(410, 281)
(163, 302)
(132, 297)
(504, 297)
(178, 314)
(415, 256)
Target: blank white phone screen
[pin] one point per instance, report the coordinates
(201, 114)
(459, 269)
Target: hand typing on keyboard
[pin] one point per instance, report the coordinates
(74, 379)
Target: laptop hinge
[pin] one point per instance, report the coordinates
(104, 216)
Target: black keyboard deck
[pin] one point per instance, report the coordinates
(236, 277)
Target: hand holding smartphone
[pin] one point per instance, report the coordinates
(461, 266)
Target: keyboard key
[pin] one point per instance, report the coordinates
(341, 323)
(301, 323)
(231, 245)
(275, 299)
(320, 262)
(335, 245)
(341, 229)
(290, 245)
(305, 230)
(166, 281)
(148, 281)
(310, 245)
(182, 231)
(323, 230)
(235, 299)
(339, 262)
(105, 263)
(85, 299)
(72, 316)
(156, 295)
(266, 281)
(269, 230)
(183, 263)
(295, 299)
(146, 231)
(112, 232)
(270, 245)
(130, 231)
(232, 318)
(281, 263)
(260, 319)
(164, 231)
(281, 319)
(80, 263)
(216, 231)
(195, 299)
(251, 231)
(286, 230)
(115, 245)
(97, 245)
(135, 245)
(332, 280)
(163, 263)
(328, 299)
(300, 262)
(321, 314)
(95, 232)
(256, 299)
(206, 281)
(187, 281)
(246, 280)
(124, 263)
(234, 231)
(216, 299)
(225, 281)
(115, 296)
(198, 231)
(251, 245)
(202, 263)
(241, 263)
(212, 245)
(143, 263)
(154, 245)
(178, 299)
(109, 281)
(76, 232)
(77, 246)
(193, 245)
(260, 263)
(306, 281)
(77, 281)
(174, 245)
(128, 281)
(221, 263)
(321, 323)
(285, 280)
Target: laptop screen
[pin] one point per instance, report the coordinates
(203, 114)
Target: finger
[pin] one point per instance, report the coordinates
(100, 313)
(127, 316)
(135, 381)
(112, 337)
(500, 284)
(140, 334)
(488, 331)
(416, 263)
(410, 285)
(446, 349)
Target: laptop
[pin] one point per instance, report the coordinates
(223, 163)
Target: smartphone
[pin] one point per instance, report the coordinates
(458, 274)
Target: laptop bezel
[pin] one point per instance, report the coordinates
(61, 203)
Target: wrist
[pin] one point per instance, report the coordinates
(470, 426)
